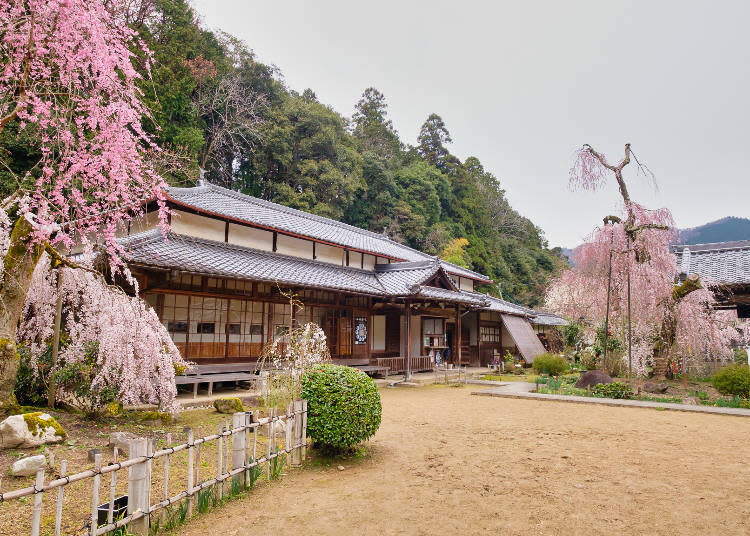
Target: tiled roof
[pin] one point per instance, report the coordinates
(502, 306)
(722, 263)
(217, 258)
(548, 319)
(221, 201)
(220, 259)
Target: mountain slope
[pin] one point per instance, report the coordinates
(723, 230)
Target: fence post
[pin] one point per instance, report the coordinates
(191, 474)
(138, 483)
(238, 447)
(95, 494)
(296, 458)
(303, 434)
(37, 513)
(289, 427)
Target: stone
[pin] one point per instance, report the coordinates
(28, 466)
(280, 427)
(121, 440)
(593, 377)
(30, 430)
(341, 468)
(228, 405)
(651, 387)
(691, 401)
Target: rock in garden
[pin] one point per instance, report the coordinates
(28, 466)
(651, 387)
(228, 405)
(121, 440)
(690, 401)
(30, 430)
(592, 378)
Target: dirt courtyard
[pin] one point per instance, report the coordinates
(446, 462)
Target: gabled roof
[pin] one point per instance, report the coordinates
(206, 257)
(721, 263)
(218, 201)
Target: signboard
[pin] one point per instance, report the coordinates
(360, 330)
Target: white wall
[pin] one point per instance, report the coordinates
(466, 284)
(188, 224)
(378, 332)
(369, 262)
(250, 237)
(330, 254)
(355, 259)
(297, 247)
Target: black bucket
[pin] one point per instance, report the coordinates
(119, 511)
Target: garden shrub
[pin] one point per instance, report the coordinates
(612, 390)
(733, 380)
(740, 356)
(31, 388)
(343, 406)
(589, 360)
(550, 364)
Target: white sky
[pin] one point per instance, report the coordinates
(522, 84)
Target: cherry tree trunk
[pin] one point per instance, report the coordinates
(20, 261)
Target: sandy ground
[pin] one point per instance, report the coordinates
(446, 462)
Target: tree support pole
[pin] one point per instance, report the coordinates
(52, 388)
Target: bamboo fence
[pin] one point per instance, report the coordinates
(237, 446)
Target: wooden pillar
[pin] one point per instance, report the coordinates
(139, 483)
(238, 446)
(458, 333)
(479, 338)
(407, 365)
(52, 389)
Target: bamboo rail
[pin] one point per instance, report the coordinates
(241, 457)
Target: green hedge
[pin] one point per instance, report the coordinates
(612, 390)
(343, 406)
(550, 364)
(733, 380)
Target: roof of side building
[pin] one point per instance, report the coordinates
(722, 263)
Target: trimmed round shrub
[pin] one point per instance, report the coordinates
(343, 406)
(550, 364)
(733, 380)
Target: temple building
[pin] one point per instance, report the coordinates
(222, 280)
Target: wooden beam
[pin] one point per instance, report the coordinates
(407, 368)
(458, 333)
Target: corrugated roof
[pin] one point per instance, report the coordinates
(223, 202)
(723, 263)
(524, 337)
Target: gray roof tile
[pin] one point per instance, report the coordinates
(722, 263)
(237, 206)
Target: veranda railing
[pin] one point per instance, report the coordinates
(237, 444)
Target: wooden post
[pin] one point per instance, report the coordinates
(407, 368)
(191, 473)
(289, 426)
(238, 445)
(112, 491)
(304, 429)
(51, 389)
(137, 486)
(268, 445)
(37, 513)
(166, 469)
(458, 337)
(296, 456)
(95, 495)
(58, 514)
(220, 464)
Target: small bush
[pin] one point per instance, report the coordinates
(733, 380)
(740, 356)
(31, 388)
(550, 364)
(612, 390)
(589, 359)
(343, 406)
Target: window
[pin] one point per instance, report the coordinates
(490, 334)
(433, 326)
(208, 319)
(177, 327)
(246, 333)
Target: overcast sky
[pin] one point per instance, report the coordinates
(522, 84)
